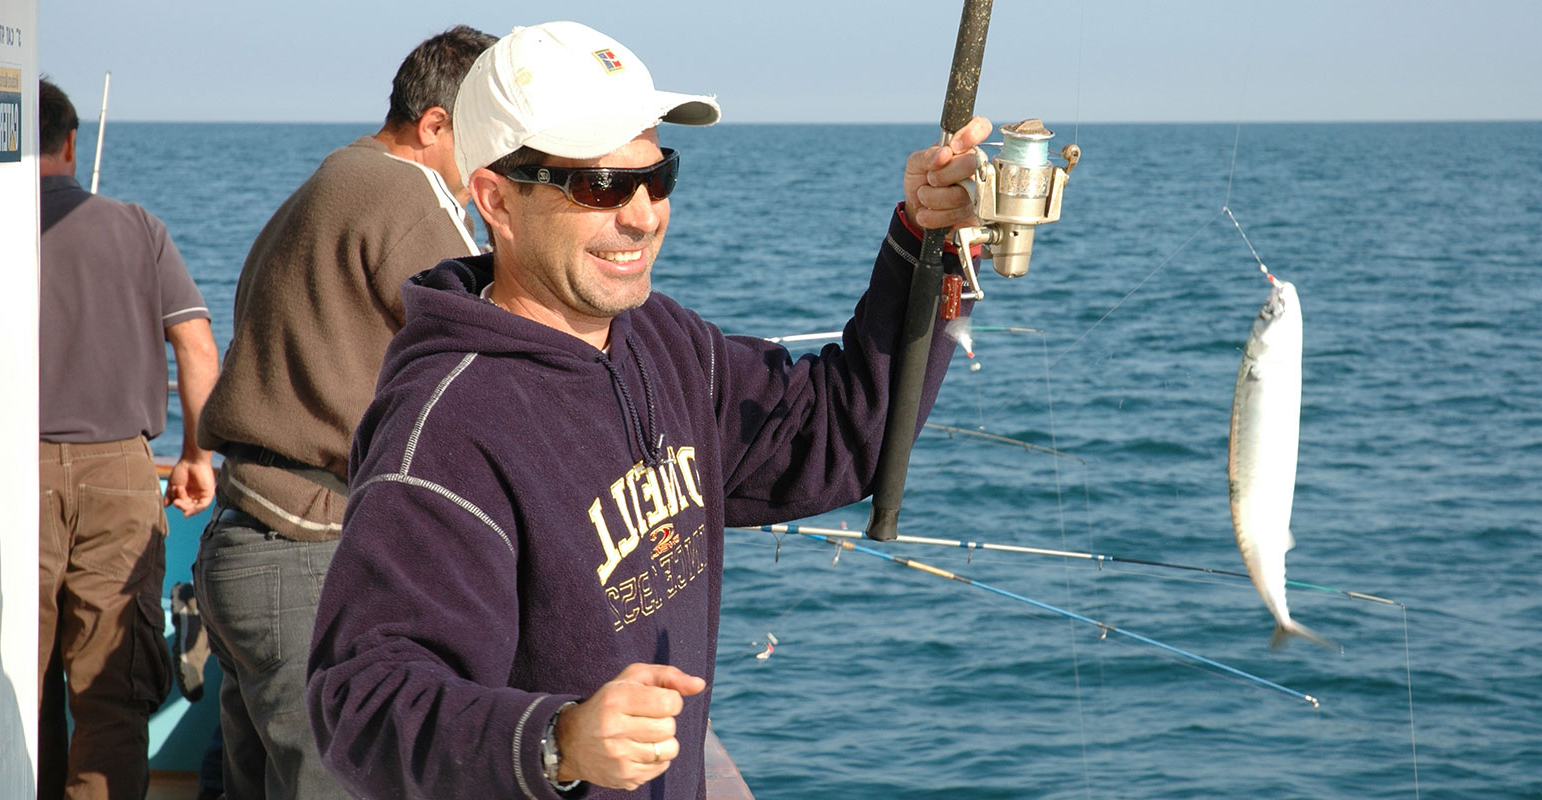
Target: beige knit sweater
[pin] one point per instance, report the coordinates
(318, 300)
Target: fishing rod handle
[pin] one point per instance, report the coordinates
(901, 426)
(964, 76)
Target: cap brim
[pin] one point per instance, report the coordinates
(691, 109)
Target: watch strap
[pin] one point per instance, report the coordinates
(551, 756)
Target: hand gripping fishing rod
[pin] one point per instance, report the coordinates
(925, 291)
(1012, 195)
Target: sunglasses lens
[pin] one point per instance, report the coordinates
(601, 188)
(607, 189)
(661, 181)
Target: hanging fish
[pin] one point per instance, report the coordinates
(1261, 458)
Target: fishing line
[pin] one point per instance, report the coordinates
(1097, 595)
(1247, 241)
(1076, 668)
(1231, 175)
(963, 329)
(966, 330)
(777, 623)
(1081, 45)
(1225, 209)
(1138, 286)
(1242, 94)
(1053, 449)
(1413, 739)
(1102, 626)
(1231, 172)
(952, 431)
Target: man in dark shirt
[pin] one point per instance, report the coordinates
(114, 291)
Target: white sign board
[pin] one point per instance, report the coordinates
(19, 370)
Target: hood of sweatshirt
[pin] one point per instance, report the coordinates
(447, 314)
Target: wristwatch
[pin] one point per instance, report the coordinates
(551, 757)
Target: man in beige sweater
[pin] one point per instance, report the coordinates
(318, 300)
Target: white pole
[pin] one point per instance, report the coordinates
(101, 127)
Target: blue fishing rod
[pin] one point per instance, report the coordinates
(1106, 628)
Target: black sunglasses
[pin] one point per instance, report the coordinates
(604, 188)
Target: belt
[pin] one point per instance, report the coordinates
(324, 478)
(236, 516)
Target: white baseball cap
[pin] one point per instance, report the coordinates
(564, 89)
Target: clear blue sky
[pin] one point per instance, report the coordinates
(837, 60)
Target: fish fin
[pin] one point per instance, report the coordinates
(1290, 540)
(1283, 634)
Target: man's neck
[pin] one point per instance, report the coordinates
(401, 141)
(506, 295)
(50, 166)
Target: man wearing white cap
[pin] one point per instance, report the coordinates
(525, 600)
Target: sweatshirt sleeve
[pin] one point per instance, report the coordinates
(415, 631)
(803, 436)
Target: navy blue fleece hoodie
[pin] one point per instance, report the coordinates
(530, 515)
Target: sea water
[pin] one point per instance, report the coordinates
(1416, 249)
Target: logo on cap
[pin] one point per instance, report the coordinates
(609, 61)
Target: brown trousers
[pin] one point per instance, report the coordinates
(101, 630)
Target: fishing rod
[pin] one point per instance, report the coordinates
(101, 127)
(1013, 194)
(1102, 626)
(1098, 558)
(825, 336)
(925, 290)
(952, 431)
(821, 336)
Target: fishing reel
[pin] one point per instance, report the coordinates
(1013, 194)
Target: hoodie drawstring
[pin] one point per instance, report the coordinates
(653, 450)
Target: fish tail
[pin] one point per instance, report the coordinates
(1287, 631)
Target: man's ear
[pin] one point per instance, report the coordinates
(487, 190)
(434, 124)
(67, 155)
